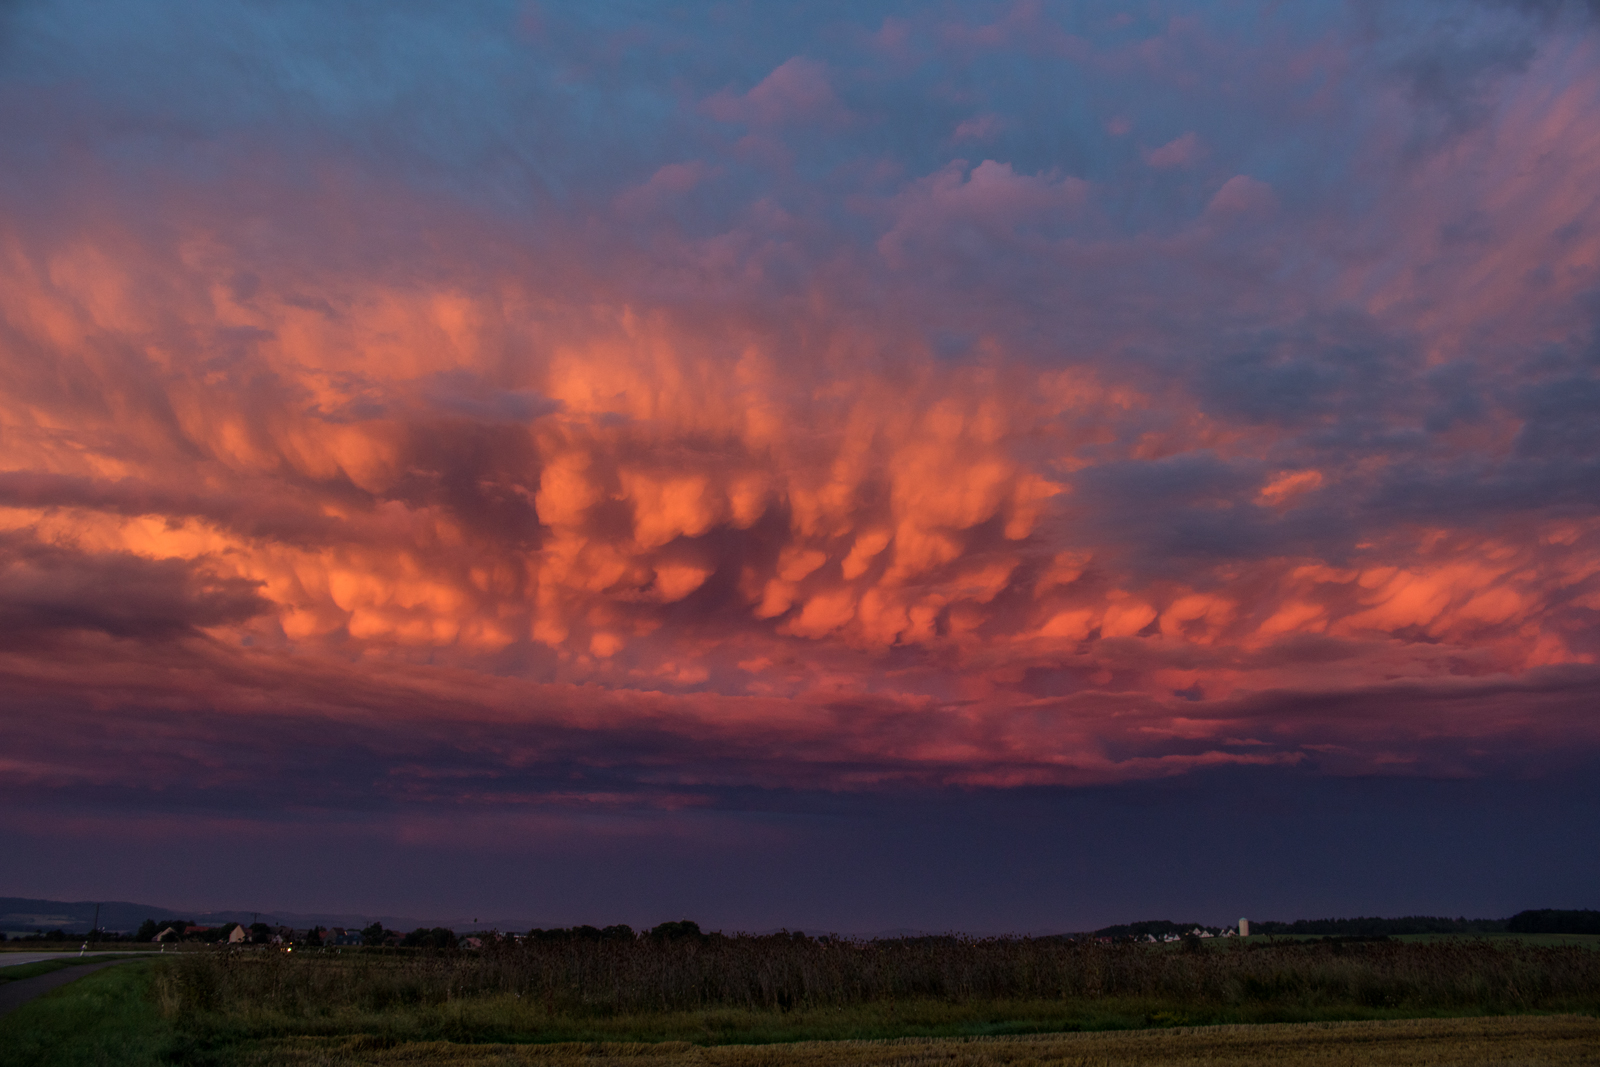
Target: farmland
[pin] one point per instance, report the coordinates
(699, 998)
(710, 989)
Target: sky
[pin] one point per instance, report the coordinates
(991, 466)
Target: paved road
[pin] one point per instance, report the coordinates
(17, 959)
(15, 994)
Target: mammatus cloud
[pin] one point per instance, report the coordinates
(795, 457)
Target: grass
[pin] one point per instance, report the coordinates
(508, 1020)
(110, 1018)
(103, 1018)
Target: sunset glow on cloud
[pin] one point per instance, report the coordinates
(622, 407)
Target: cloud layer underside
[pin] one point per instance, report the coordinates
(1025, 394)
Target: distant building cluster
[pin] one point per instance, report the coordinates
(1198, 931)
(232, 933)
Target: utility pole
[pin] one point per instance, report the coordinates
(90, 935)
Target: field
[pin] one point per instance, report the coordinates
(1550, 1041)
(782, 1000)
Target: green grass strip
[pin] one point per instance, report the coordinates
(103, 1018)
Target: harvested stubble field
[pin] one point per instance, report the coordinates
(1546, 1041)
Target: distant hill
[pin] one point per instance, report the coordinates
(26, 915)
(1373, 926)
(1546, 921)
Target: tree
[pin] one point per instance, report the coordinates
(422, 937)
(1554, 921)
(147, 931)
(374, 934)
(683, 929)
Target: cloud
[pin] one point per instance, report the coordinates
(797, 90)
(46, 590)
(978, 129)
(1181, 151)
(622, 424)
(978, 209)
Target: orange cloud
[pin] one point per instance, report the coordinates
(813, 476)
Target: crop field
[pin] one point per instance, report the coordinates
(783, 999)
(784, 974)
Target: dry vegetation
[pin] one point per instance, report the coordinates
(1550, 1041)
(785, 974)
(775, 998)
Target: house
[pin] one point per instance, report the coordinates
(340, 936)
(239, 935)
(171, 933)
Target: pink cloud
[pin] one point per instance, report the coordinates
(1024, 24)
(1181, 151)
(798, 90)
(991, 198)
(666, 184)
(1243, 195)
(979, 128)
